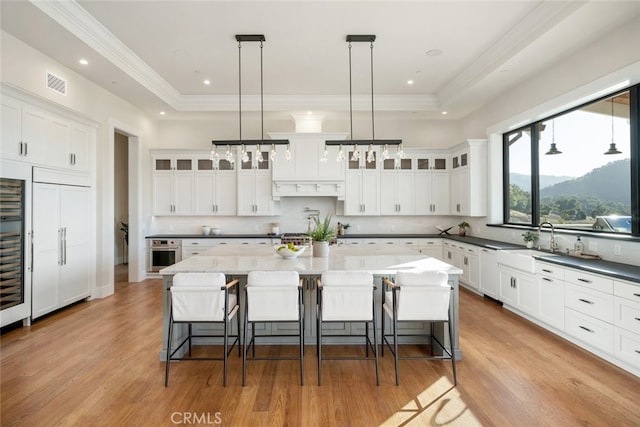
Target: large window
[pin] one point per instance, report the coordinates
(578, 169)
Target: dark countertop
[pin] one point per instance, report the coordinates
(598, 266)
(607, 268)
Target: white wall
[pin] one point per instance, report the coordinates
(25, 67)
(592, 72)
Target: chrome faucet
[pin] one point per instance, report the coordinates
(553, 246)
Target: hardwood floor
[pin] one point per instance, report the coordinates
(97, 364)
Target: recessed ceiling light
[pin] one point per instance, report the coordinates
(83, 62)
(434, 52)
(409, 82)
(444, 113)
(207, 82)
(162, 113)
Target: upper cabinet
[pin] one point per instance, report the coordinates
(254, 188)
(173, 184)
(215, 187)
(469, 178)
(396, 187)
(362, 183)
(432, 183)
(40, 137)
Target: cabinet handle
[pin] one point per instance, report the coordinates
(26, 148)
(59, 246)
(585, 328)
(71, 158)
(21, 144)
(584, 280)
(64, 252)
(547, 271)
(637, 318)
(585, 301)
(547, 279)
(466, 261)
(636, 295)
(637, 351)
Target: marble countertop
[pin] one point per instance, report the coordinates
(242, 259)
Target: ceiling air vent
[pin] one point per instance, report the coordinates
(57, 84)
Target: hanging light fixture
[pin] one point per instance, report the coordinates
(612, 147)
(240, 38)
(553, 149)
(370, 154)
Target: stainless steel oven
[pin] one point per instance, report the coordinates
(163, 253)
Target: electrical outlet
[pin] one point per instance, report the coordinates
(593, 246)
(617, 250)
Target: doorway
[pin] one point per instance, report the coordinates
(121, 210)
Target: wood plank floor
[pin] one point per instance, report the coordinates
(96, 364)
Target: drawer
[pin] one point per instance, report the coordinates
(186, 243)
(627, 347)
(627, 290)
(594, 332)
(189, 252)
(592, 281)
(588, 301)
(627, 314)
(549, 270)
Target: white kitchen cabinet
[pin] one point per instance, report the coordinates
(464, 257)
(519, 290)
(173, 184)
(61, 246)
(431, 190)
(362, 185)
(255, 186)
(431, 247)
(551, 285)
(215, 187)
(489, 279)
(396, 187)
(41, 137)
(469, 178)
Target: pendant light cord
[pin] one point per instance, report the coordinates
(612, 139)
(350, 95)
(373, 127)
(261, 97)
(240, 89)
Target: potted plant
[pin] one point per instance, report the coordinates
(321, 234)
(530, 237)
(462, 228)
(345, 227)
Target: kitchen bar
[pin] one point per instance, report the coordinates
(236, 261)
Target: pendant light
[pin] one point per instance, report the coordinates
(240, 38)
(553, 149)
(612, 147)
(370, 154)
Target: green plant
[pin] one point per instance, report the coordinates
(322, 230)
(346, 226)
(125, 228)
(464, 224)
(530, 236)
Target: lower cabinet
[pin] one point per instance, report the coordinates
(61, 246)
(489, 279)
(519, 290)
(464, 257)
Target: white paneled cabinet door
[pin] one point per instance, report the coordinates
(226, 189)
(440, 193)
(183, 189)
(79, 147)
(173, 185)
(11, 145)
(46, 249)
(162, 193)
(74, 221)
(61, 246)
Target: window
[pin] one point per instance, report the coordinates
(578, 169)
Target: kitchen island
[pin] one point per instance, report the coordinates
(236, 261)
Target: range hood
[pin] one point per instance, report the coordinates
(305, 175)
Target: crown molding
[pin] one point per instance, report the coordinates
(531, 27)
(75, 19)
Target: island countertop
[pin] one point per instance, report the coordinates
(242, 259)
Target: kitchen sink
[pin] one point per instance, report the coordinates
(521, 259)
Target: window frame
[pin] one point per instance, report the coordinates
(532, 128)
